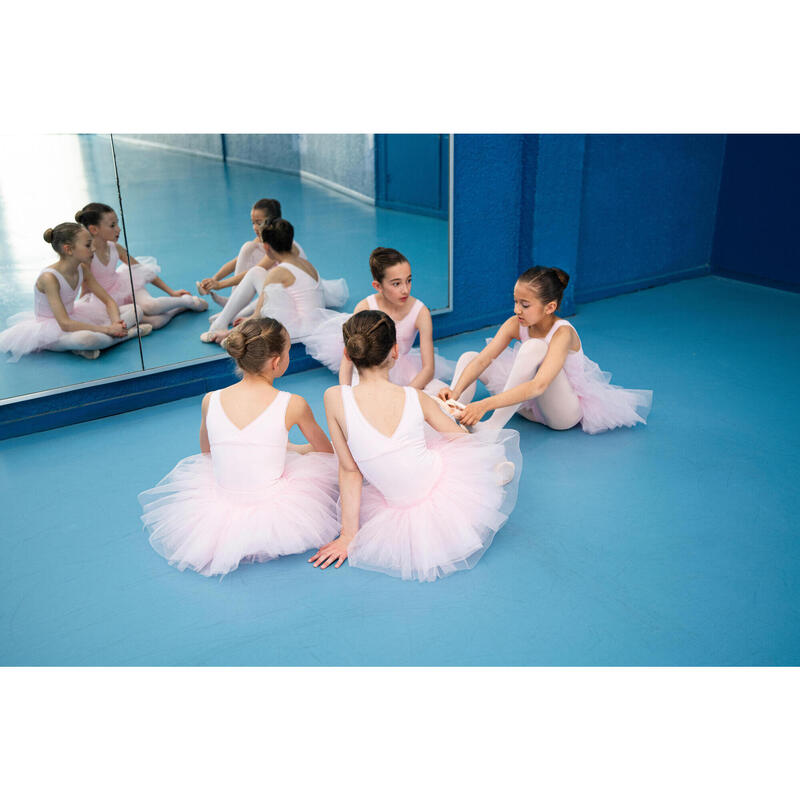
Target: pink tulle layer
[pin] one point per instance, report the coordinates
(194, 522)
(604, 405)
(452, 527)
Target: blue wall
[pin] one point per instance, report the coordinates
(649, 204)
(280, 151)
(756, 237)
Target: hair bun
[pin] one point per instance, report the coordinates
(48, 236)
(562, 276)
(357, 346)
(235, 343)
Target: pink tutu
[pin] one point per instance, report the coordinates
(604, 405)
(194, 522)
(326, 345)
(28, 333)
(451, 528)
(118, 283)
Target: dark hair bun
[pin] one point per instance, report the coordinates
(357, 346)
(368, 338)
(562, 276)
(253, 342)
(48, 236)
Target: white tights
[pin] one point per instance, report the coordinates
(94, 340)
(158, 311)
(241, 298)
(559, 405)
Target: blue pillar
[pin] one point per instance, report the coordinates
(557, 207)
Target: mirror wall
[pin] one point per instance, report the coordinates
(186, 203)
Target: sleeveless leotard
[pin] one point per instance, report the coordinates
(249, 500)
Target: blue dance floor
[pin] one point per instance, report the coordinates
(671, 544)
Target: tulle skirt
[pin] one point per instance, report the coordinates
(451, 528)
(196, 523)
(604, 405)
(279, 304)
(335, 293)
(326, 345)
(27, 333)
(120, 286)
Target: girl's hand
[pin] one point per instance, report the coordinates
(446, 394)
(334, 551)
(473, 412)
(178, 292)
(117, 329)
(207, 285)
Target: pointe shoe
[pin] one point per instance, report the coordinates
(90, 354)
(145, 328)
(199, 304)
(211, 337)
(199, 290)
(504, 472)
(453, 408)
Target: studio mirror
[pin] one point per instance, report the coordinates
(44, 181)
(187, 202)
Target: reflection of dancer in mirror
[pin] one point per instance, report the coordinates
(432, 502)
(251, 254)
(57, 321)
(546, 377)
(420, 368)
(290, 290)
(249, 495)
(110, 267)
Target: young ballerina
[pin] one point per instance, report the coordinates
(249, 495)
(251, 254)
(418, 368)
(546, 378)
(58, 322)
(110, 267)
(432, 502)
(289, 291)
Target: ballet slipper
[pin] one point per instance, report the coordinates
(451, 408)
(145, 328)
(90, 354)
(215, 337)
(219, 299)
(199, 304)
(199, 288)
(504, 472)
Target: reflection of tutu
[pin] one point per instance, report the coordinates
(604, 405)
(118, 283)
(335, 293)
(326, 345)
(454, 524)
(194, 522)
(27, 333)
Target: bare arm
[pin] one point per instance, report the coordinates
(299, 413)
(508, 331)
(49, 285)
(205, 447)
(91, 284)
(350, 484)
(435, 417)
(207, 284)
(425, 328)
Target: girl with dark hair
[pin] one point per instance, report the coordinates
(251, 254)
(420, 368)
(109, 265)
(432, 502)
(546, 378)
(290, 290)
(58, 322)
(249, 495)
